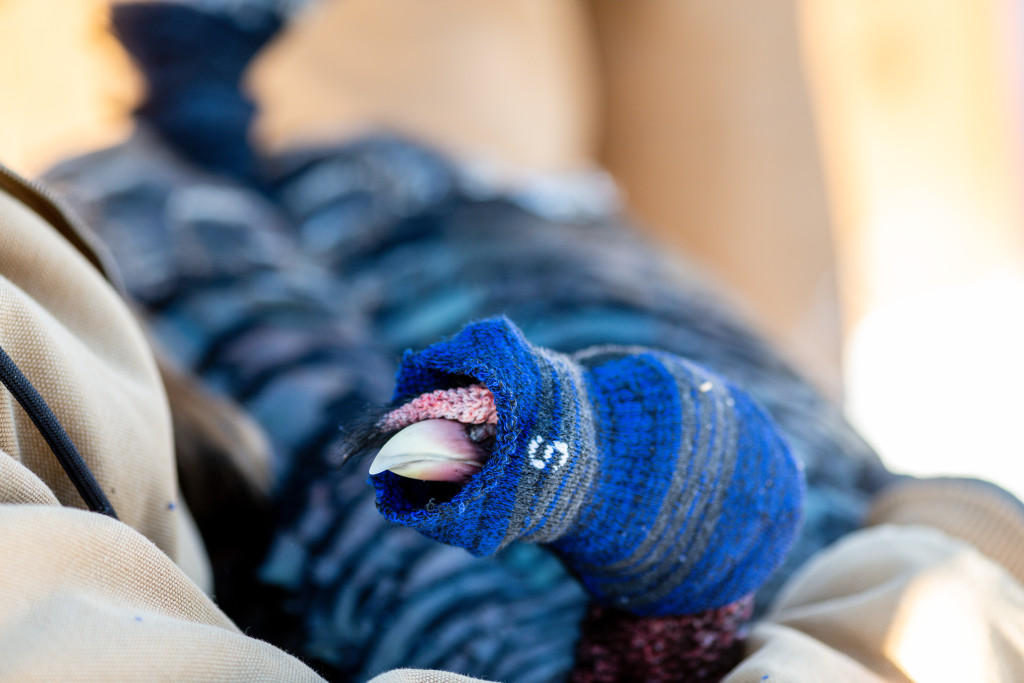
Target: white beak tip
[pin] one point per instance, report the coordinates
(431, 450)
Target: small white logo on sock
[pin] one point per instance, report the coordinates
(549, 451)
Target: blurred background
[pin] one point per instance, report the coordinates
(851, 171)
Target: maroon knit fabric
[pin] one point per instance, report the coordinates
(617, 646)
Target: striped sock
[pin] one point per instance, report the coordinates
(662, 487)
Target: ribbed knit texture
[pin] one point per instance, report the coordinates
(662, 487)
(988, 517)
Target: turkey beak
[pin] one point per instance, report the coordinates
(431, 450)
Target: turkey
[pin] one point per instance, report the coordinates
(294, 285)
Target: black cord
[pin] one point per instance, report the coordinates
(60, 443)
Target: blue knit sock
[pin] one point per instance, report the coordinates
(662, 487)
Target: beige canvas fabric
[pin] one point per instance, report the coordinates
(82, 596)
(963, 508)
(85, 598)
(893, 603)
(74, 339)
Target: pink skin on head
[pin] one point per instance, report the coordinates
(469, 405)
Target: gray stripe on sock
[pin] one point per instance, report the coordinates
(590, 359)
(724, 455)
(674, 532)
(537, 493)
(567, 488)
(656, 564)
(563, 490)
(680, 493)
(530, 478)
(726, 460)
